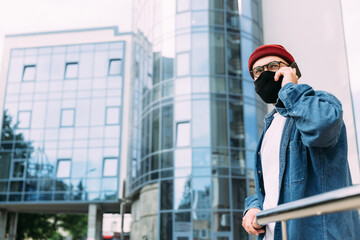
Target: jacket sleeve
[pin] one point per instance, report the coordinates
(317, 115)
(251, 202)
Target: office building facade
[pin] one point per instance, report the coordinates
(195, 118)
(62, 108)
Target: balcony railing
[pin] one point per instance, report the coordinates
(335, 201)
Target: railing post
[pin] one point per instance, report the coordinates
(283, 230)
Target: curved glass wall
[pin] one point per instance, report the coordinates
(196, 118)
(61, 131)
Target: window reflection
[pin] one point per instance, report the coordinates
(183, 64)
(182, 193)
(110, 167)
(112, 115)
(238, 193)
(222, 222)
(201, 123)
(71, 70)
(237, 135)
(201, 225)
(217, 53)
(201, 193)
(221, 193)
(114, 67)
(234, 59)
(67, 117)
(29, 73)
(200, 54)
(166, 224)
(24, 118)
(218, 123)
(63, 168)
(183, 222)
(182, 134)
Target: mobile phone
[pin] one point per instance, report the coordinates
(294, 65)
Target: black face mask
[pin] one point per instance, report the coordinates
(267, 88)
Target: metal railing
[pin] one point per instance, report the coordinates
(335, 201)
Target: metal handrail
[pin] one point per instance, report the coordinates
(334, 201)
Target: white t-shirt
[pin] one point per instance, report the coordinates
(270, 149)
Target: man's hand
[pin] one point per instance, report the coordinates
(249, 222)
(289, 75)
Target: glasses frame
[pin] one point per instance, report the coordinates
(267, 67)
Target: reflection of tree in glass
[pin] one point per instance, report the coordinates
(185, 202)
(12, 145)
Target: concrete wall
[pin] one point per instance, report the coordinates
(144, 214)
(313, 32)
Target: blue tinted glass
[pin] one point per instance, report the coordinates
(201, 193)
(201, 123)
(71, 70)
(200, 54)
(182, 193)
(250, 124)
(114, 67)
(29, 73)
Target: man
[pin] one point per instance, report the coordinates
(302, 151)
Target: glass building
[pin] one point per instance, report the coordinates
(62, 123)
(195, 119)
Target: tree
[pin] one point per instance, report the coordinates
(76, 225)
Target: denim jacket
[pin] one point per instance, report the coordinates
(313, 160)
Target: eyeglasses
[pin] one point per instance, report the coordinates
(271, 66)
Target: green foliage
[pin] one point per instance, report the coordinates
(36, 226)
(76, 225)
(46, 226)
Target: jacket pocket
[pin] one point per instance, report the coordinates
(297, 162)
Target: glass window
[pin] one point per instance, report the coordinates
(182, 193)
(183, 134)
(183, 20)
(182, 86)
(63, 168)
(201, 123)
(183, 158)
(218, 123)
(183, 43)
(238, 193)
(67, 117)
(166, 195)
(110, 167)
(18, 169)
(200, 18)
(167, 160)
(200, 4)
(182, 111)
(217, 53)
(24, 119)
(182, 223)
(237, 134)
(166, 228)
(155, 130)
(29, 73)
(250, 126)
(239, 232)
(234, 57)
(200, 54)
(114, 67)
(202, 224)
(71, 70)
(221, 193)
(167, 127)
(201, 193)
(222, 222)
(183, 64)
(182, 5)
(112, 115)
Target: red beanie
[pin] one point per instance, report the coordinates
(270, 50)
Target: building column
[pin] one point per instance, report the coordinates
(14, 216)
(3, 220)
(94, 231)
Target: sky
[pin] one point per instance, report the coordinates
(28, 16)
